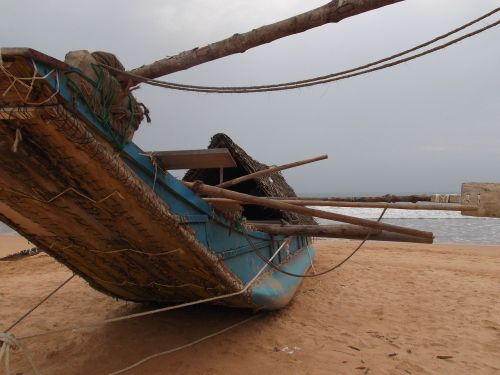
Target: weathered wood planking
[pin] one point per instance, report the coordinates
(188, 159)
(486, 196)
(58, 151)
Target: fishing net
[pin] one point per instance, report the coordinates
(109, 99)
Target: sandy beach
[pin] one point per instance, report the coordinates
(11, 244)
(392, 309)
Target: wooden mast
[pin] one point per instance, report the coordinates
(332, 12)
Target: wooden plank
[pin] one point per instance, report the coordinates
(194, 159)
(486, 196)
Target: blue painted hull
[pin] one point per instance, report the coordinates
(215, 241)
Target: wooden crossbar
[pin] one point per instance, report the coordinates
(194, 159)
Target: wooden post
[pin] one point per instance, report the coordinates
(347, 231)
(334, 11)
(269, 171)
(214, 191)
(396, 206)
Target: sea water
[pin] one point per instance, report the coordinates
(4, 229)
(447, 226)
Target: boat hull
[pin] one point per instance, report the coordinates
(112, 217)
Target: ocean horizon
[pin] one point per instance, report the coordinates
(447, 226)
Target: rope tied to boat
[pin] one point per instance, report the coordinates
(10, 342)
(315, 274)
(30, 88)
(384, 63)
(108, 99)
(13, 342)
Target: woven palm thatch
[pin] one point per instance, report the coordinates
(274, 185)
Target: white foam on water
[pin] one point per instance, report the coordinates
(374, 213)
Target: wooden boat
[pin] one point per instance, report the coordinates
(74, 184)
(113, 215)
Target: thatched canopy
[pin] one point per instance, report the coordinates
(274, 185)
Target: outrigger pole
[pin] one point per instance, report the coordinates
(212, 191)
(346, 231)
(332, 12)
(396, 206)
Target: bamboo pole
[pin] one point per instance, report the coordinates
(332, 12)
(269, 171)
(347, 231)
(396, 206)
(214, 191)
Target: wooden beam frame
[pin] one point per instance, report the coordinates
(213, 191)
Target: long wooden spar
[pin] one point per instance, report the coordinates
(269, 171)
(332, 12)
(347, 231)
(213, 191)
(396, 206)
(389, 198)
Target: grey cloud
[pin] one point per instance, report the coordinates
(375, 128)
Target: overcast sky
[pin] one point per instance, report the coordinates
(424, 126)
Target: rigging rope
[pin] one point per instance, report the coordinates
(39, 303)
(163, 309)
(10, 341)
(192, 343)
(360, 70)
(316, 274)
